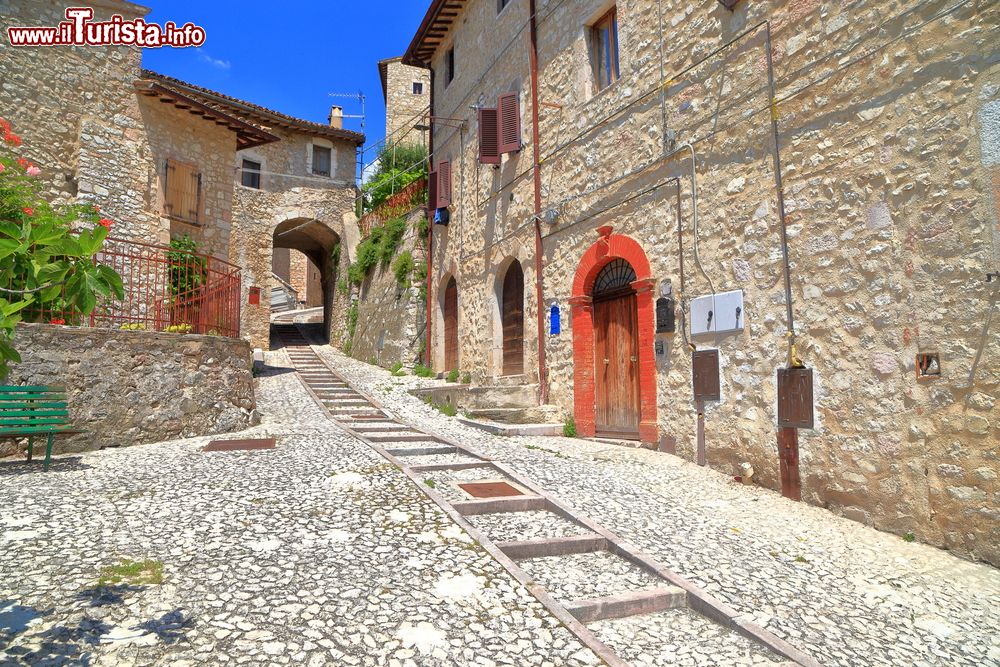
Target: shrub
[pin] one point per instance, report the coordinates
(397, 369)
(453, 376)
(447, 409)
(352, 319)
(348, 344)
(569, 428)
(467, 378)
(402, 268)
(423, 226)
(342, 286)
(423, 371)
(398, 166)
(187, 269)
(44, 265)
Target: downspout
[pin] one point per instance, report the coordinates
(543, 380)
(428, 340)
(793, 358)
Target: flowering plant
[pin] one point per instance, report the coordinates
(46, 251)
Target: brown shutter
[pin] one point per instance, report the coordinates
(510, 123)
(444, 184)
(195, 201)
(489, 139)
(168, 182)
(432, 191)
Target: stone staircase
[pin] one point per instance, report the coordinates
(507, 407)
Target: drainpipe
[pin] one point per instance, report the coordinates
(428, 340)
(543, 380)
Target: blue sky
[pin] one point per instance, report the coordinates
(290, 60)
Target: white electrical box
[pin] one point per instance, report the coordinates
(719, 313)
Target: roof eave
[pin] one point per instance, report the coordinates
(418, 53)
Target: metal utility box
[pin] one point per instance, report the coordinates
(795, 398)
(718, 313)
(705, 375)
(665, 307)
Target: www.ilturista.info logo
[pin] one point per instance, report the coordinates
(79, 30)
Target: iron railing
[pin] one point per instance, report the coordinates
(165, 290)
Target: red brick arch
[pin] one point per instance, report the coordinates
(610, 247)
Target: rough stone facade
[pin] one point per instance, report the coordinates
(887, 129)
(391, 317)
(135, 387)
(87, 123)
(405, 108)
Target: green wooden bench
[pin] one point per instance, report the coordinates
(30, 412)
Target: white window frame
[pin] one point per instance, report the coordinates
(316, 141)
(253, 156)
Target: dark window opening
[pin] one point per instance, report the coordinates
(450, 66)
(501, 4)
(251, 174)
(418, 88)
(604, 50)
(321, 161)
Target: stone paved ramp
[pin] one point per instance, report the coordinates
(844, 593)
(316, 553)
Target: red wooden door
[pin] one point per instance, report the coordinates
(451, 326)
(616, 357)
(513, 321)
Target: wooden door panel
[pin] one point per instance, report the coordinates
(616, 357)
(451, 326)
(512, 310)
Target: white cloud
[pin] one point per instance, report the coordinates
(214, 62)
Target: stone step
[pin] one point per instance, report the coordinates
(404, 437)
(430, 450)
(633, 603)
(541, 414)
(554, 546)
(501, 505)
(436, 467)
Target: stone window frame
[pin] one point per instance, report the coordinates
(324, 143)
(253, 156)
(502, 5)
(415, 85)
(449, 66)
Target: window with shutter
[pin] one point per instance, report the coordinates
(432, 192)
(251, 174)
(444, 184)
(182, 192)
(489, 139)
(604, 50)
(509, 110)
(321, 158)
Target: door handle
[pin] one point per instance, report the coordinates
(607, 361)
(632, 358)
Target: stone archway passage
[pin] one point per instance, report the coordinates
(450, 309)
(512, 316)
(623, 316)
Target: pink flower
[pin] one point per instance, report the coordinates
(24, 163)
(56, 320)
(104, 222)
(2, 168)
(28, 210)
(33, 170)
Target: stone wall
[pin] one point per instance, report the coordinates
(403, 108)
(134, 387)
(390, 324)
(890, 186)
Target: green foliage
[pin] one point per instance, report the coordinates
(132, 572)
(423, 371)
(447, 409)
(187, 269)
(335, 255)
(348, 344)
(398, 166)
(467, 378)
(909, 537)
(402, 268)
(569, 427)
(397, 369)
(430, 482)
(135, 326)
(342, 286)
(453, 376)
(352, 319)
(44, 266)
(380, 245)
(420, 278)
(179, 328)
(423, 227)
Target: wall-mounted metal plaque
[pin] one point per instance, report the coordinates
(795, 398)
(705, 375)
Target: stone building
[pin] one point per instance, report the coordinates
(667, 151)
(407, 93)
(165, 158)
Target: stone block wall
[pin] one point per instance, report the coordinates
(391, 317)
(135, 387)
(403, 108)
(889, 188)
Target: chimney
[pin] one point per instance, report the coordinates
(337, 117)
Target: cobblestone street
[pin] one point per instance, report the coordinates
(320, 552)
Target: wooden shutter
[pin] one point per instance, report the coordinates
(444, 184)
(432, 192)
(489, 139)
(182, 192)
(509, 110)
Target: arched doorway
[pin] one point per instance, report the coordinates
(316, 241)
(449, 309)
(616, 352)
(512, 320)
(614, 367)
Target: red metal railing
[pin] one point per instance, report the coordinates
(402, 202)
(165, 290)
